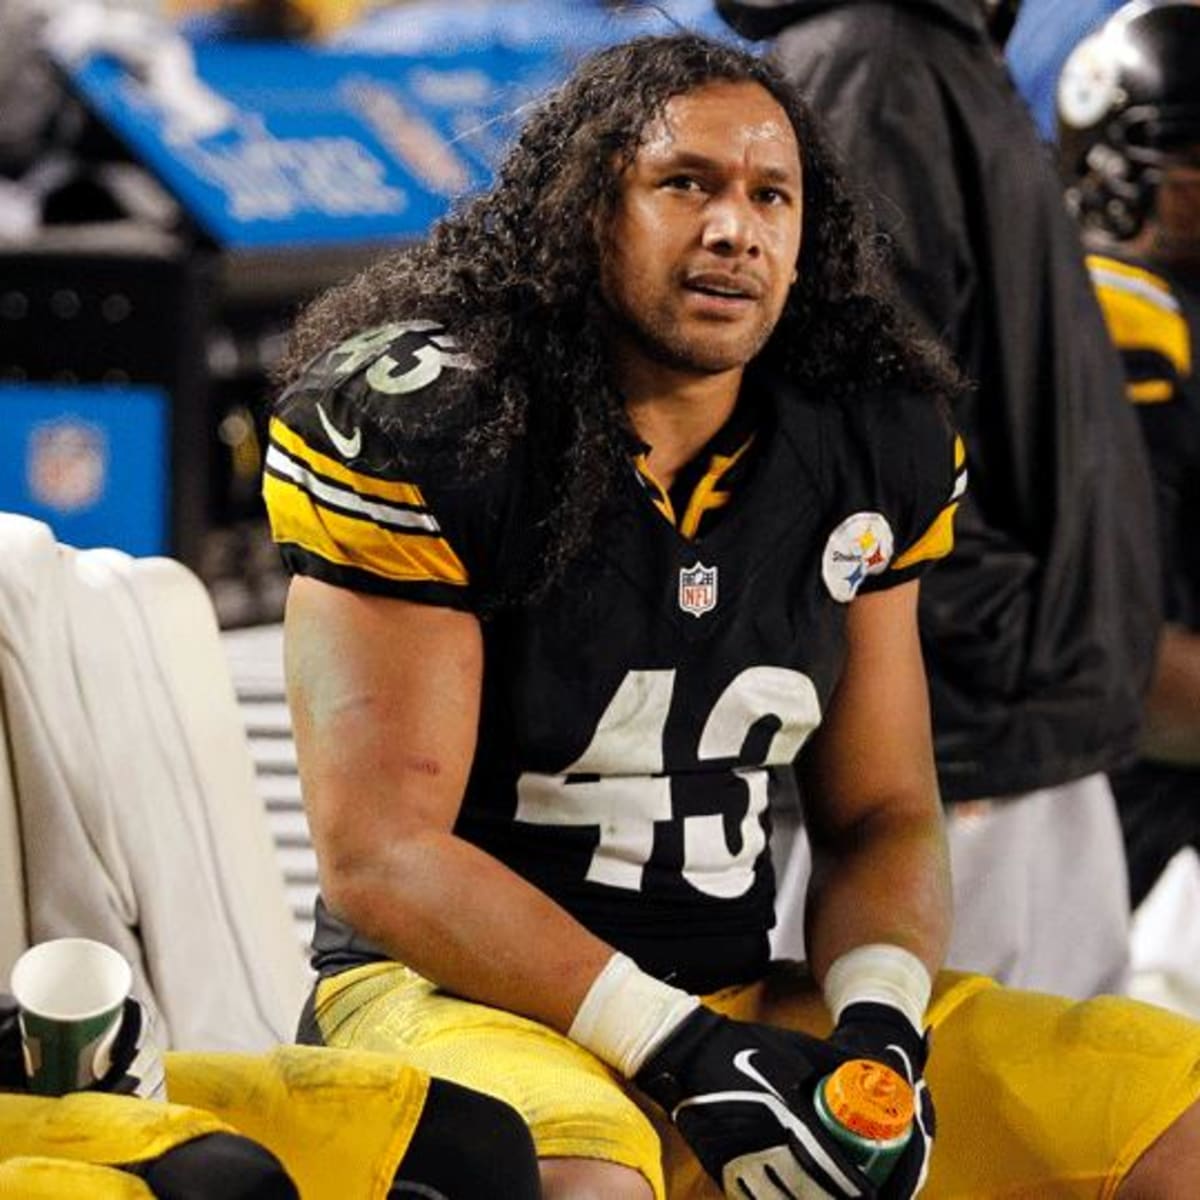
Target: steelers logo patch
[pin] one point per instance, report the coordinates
(860, 546)
(1089, 84)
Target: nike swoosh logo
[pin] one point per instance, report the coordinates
(346, 446)
(741, 1064)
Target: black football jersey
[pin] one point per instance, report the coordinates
(1155, 322)
(634, 719)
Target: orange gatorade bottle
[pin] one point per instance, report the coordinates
(868, 1107)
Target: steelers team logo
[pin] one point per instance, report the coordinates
(1089, 84)
(860, 546)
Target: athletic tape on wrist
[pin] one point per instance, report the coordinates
(883, 974)
(627, 1014)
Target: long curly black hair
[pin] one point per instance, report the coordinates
(514, 274)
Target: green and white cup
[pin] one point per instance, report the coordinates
(71, 998)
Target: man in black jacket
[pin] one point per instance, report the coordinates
(1129, 122)
(1039, 631)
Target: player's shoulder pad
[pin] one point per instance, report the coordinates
(1146, 322)
(902, 435)
(915, 419)
(885, 433)
(918, 463)
(360, 477)
(354, 401)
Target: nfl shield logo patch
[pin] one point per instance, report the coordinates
(697, 589)
(67, 464)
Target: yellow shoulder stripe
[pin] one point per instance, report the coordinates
(367, 485)
(1141, 314)
(1154, 286)
(351, 541)
(936, 542)
(1150, 391)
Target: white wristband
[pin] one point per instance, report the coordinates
(627, 1014)
(883, 974)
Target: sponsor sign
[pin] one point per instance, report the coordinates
(323, 147)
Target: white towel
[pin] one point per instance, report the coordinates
(139, 819)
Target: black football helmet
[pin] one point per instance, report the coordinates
(1127, 96)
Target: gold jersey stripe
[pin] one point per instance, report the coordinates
(1150, 391)
(354, 542)
(705, 497)
(366, 485)
(346, 500)
(1139, 279)
(658, 494)
(1141, 313)
(936, 542)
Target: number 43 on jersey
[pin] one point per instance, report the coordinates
(634, 792)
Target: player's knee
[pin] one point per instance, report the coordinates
(1170, 1167)
(218, 1166)
(467, 1145)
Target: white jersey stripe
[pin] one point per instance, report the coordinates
(348, 501)
(1141, 288)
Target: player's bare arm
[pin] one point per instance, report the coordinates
(871, 801)
(385, 698)
(1171, 722)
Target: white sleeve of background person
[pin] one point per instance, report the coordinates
(628, 1014)
(881, 974)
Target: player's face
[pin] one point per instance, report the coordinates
(702, 247)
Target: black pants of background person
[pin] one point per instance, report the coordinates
(1159, 808)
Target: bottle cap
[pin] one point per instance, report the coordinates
(869, 1099)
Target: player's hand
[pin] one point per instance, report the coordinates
(878, 1031)
(742, 1097)
(135, 1061)
(132, 1065)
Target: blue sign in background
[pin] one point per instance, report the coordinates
(89, 461)
(370, 138)
(568, 27)
(323, 147)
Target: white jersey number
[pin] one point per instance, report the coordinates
(633, 794)
(431, 354)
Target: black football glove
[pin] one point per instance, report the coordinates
(882, 1033)
(135, 1060)
(132, 1065)
(12, 1063)
(741, 1095)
